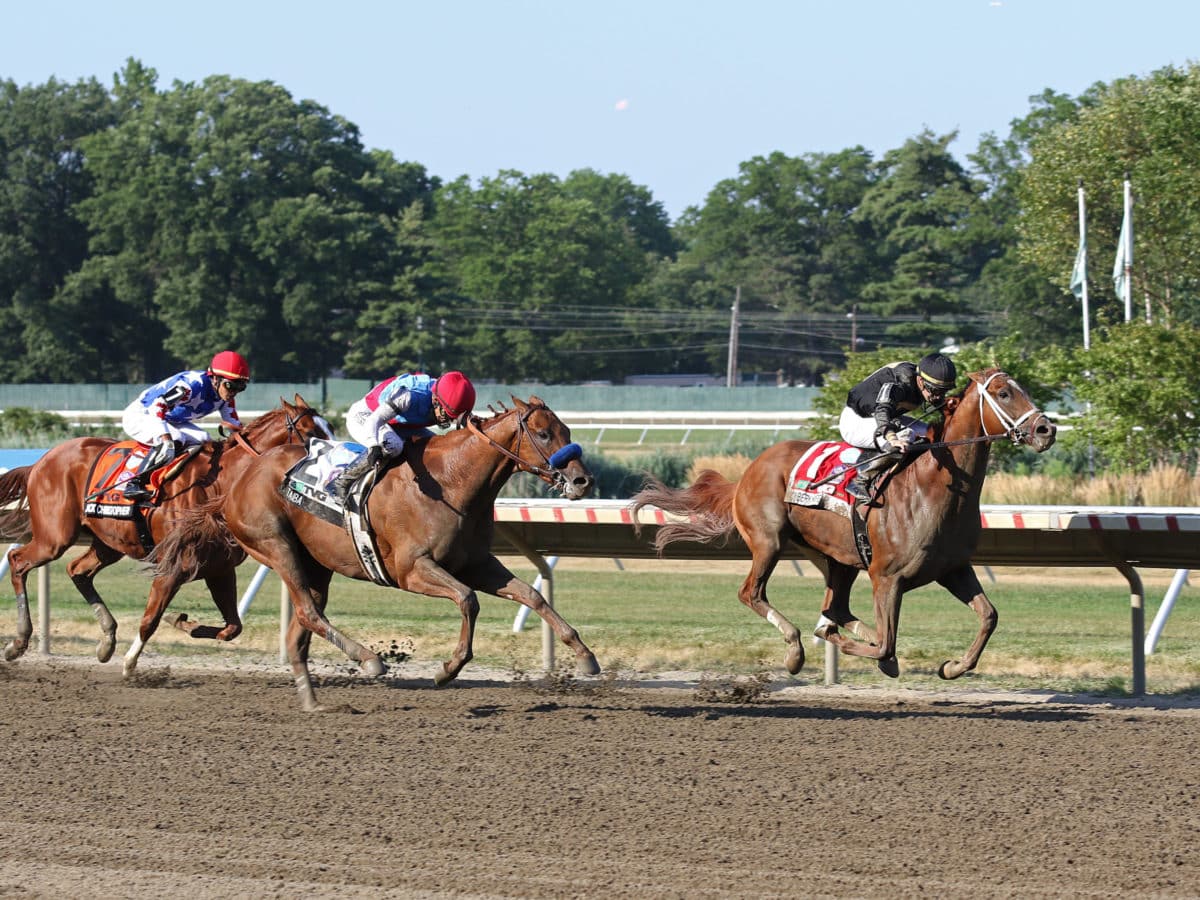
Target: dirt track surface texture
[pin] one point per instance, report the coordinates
(203, 783)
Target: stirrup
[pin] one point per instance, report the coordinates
(858, 490)
(135, 490)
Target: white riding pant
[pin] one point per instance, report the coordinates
(370, 430)
(143, 424)
(859, 431)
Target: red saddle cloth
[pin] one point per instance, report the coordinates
(820, 476)
(115, 466)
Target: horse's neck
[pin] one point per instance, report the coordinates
(480, 469)
(957, 481)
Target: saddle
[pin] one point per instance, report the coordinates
(104, 497)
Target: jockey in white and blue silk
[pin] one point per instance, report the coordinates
(162, 416)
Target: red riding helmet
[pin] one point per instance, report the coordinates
(230, 365)
(455, 392)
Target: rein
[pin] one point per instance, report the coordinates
(550, 474)
(238, 438)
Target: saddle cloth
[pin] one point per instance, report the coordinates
(309, 485)
(105, 498)
(820, 476)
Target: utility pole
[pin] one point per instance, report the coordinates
(731, 368)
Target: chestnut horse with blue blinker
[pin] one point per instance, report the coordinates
(923, 528)
(49, 500)
(432, 513)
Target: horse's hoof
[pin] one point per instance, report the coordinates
(890, 667)
(445, 676)
(373, 667)
(587, 665)
(949, 670)
(14, 651)
(105, 648)
(794, 661)
(178, 620)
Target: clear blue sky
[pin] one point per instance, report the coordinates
(673, 93)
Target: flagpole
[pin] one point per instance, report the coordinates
(1128, 235)
(1083, 296)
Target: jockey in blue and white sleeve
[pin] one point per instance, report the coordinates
(398, 408)
(162, 416)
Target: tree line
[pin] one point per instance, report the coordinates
(142, 227)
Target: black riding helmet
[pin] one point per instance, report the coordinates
(937, 371)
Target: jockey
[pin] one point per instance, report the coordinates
(162, 415)
(400, 407)
(874, 416)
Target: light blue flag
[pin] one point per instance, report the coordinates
(1080, 268)
(1119, 266)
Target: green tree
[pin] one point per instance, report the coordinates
(925, 209)
(785, 233)
(230, 215)
(1009, 285)
(1146, 127)
(1137, 389)
(535, 273)
(44, 336)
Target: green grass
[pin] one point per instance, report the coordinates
(1060, 634)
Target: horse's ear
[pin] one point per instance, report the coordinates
(519, 403)
(299, 401)
(535, 400)
(284, 403)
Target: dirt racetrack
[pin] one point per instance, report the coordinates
(212, 783)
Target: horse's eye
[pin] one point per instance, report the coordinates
(543, 435)
(1004, 395)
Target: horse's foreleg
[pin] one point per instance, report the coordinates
(964, 584)
(223, 587)
(162, 591)
(835, 610)
(83, 571)
(493, 578)
(882, 649)
(427, 577)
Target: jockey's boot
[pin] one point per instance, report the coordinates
(860, 487)
(157, 456)
(359, 466)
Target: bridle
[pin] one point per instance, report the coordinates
(292, 422)
(1012, 427)
(551, 472)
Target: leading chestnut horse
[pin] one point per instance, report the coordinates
(923, 528)
(432, 513)
(50, 496)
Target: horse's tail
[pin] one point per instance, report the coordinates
(14, 502)
(708, 504)
(193, 536)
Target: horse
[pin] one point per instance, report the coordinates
(432, 511)
(923, 524)
(50, 497)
